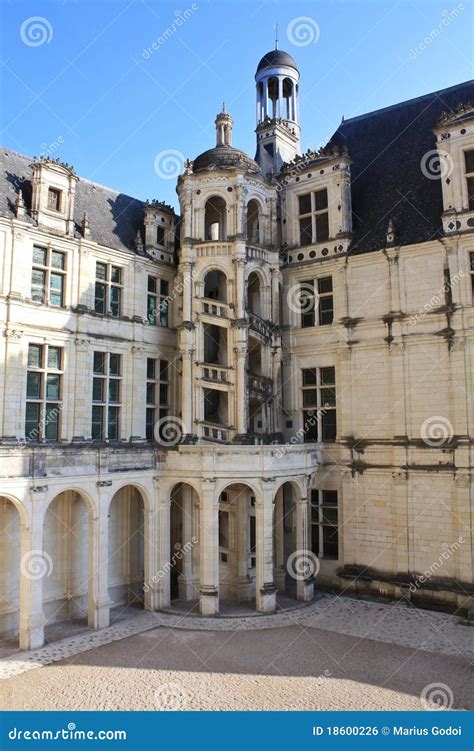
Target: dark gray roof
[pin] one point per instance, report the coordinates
(224, 156)
(386, 148)
(276, 57)
(114, 217)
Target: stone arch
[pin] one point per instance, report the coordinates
(13, 523)
(184, 541)
(215, 218)
(288, 96)
(215, 285)
(127, 522)
(144, 492)
(254, 221)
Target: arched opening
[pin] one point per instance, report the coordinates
(254, 294)
(237, 544)
(126, 548)
(260, 102)
(215, 219)
(184, 543)
(288, 99)
(253, 221)
(215, 285)
(10, 558)
(284, 540)
(66, 552)
(273, 96)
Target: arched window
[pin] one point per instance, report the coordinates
(273, 95)
(288, 99)
(253, 221)
(215, 219)
(215, 285)
(254, 301)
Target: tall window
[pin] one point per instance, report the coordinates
(319, 405)
(160, 235)
(318, 312)
(43, 392)
(106, 388)
(108, 289)
(313, 217)
(324, 524)
(157, 301)
(157, 394)
(48, 276)
(54, 199)
(469, 161)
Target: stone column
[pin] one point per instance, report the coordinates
(265, 586)
(279, 538)
(151, 560)
(163, 587)
(304, 583)
(209, 549)
(241, 407)
(185, 580)
(99, 601)
(34, 567)
(240, 287)
(187, 392)
(187, 282)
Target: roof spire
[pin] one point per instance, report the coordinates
(224, 108)
(277, 28)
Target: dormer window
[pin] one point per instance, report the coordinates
(54, 199)
(313, 217)
(469, 173)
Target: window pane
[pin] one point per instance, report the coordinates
(54, 358)
(164, 287)
(32, 432)
(163, 313)
(33, 385)
(330, 542)
(329, 515)
(57, 260)
(150, 393)
(150, 368)
(99, 299)
(114, 365)
(51, 422)
(38, 281)
(115, 295)
(53, 383)
(54, 199)
(321, 200)
(306, 231)
(470, 192)
(114, 390)
(469, 159)
(329, 497)
(116, 274)
(322, 228)
(310, 426)
(328, 421)
(163, 370)
(326, 312)
(39, 256)
(160, 236)
(98, 390)
(112, 428)
(328, 376)
(304, 203)
(99, 362)
(56, 284)
(163, 393)
(223, 529)
(325, 285)
(151, 309)
(309, 398)
(328, 397)
(150, 424)
(101, 271)
(309, 376)
(151, 284)
(315, 539)
(34, 356)
(97, 423)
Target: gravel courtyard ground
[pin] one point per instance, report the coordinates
(298, 662)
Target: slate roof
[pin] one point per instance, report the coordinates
(386, 148)
(114, 217)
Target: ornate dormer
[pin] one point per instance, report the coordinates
(316, 204)
(159, 230)
(455, 167)
(53, 190)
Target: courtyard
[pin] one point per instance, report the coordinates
(336, 653)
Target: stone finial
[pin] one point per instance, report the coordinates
(391, 233)
(86, 226)
(20, 204)
(138, 240)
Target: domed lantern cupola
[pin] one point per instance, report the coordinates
(278, 128)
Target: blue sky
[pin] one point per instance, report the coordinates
(91, 94)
